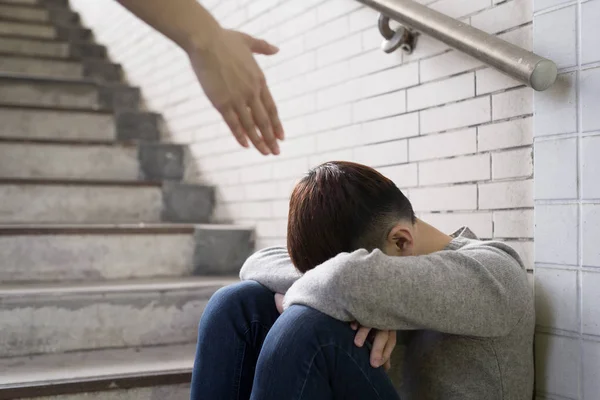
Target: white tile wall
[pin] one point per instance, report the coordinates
(560, 30)
(590, 167)
(590, 32)
(556, 299)
(590, 233)
(590, 87)
(556, 234)
(556, 169)
(557, 366)
(556, 108)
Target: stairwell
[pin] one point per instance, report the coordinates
(108, 254)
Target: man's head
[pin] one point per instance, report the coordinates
(342, 206)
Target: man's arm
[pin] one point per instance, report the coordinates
(479, 290)
(272, 268)
(223, 62)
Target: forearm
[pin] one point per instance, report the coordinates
(185, 22)
(271, 267)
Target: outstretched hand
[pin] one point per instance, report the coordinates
(236, 86)
(384, 342)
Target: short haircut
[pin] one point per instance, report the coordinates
(341, 207)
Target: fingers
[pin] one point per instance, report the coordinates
(247, 122)
(271, 108)
(260, 46)
(279, 302)
(381, 338)
(387, 365)
(263, 122)
(389, 346)
(361, 336)
(354, 325)
(232, 120)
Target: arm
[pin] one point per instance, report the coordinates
(223, 62)
(479, 290)
(271, 267)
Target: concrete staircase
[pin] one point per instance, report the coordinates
(108, 255)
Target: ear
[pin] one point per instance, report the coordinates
(402, 240)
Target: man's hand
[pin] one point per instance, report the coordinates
(383, 344)
(237, 88)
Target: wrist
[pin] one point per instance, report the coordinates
(199, 37)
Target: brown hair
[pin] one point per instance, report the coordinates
(340, 207)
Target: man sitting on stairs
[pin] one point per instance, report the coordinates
(360, 270)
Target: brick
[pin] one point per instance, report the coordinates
(590, 234)
(455, 198)
(463, 114)
(389, 80)
(328, 76)
(557, 365)
(556, 299)
(381, 130)
(334, 8)
(479, 223)
(259, 191)
(379, 107)
(525, 250)
(294, 168)
(338, 138)
(284, 188)
(455, 170)
(512, 164)
(271, 228)
(556, 169)
(512, 103)
(338, 155)
(590, 170)
(280, 208)
(460, 8)
(294, 67)
(254, 209)
(556, 107)
(330, 118)
(301, 23)
(490, 80)
(505, 134)
(377, 155)
(295, 147)
(257, 7)
(339, 94)
(339, 50)
(590, 87)
(513, 224)
(328, 32)
(441, 92)
(542, 4)
(447, 64)
(426, 47)
(556, 238)
(402, 175)
(371, 39)
(297, 106)
(442, 145)
(372, 61)
(590, 310)
(228, 194)
(556, 36)
(590, 32)
(503, 16)
(362, 18)
(501, 195)
(522, 37)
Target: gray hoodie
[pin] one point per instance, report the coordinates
(465, 315)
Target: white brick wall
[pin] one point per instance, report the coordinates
(452, 133)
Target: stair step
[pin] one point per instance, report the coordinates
(87, 201)
(27, 122)
(118, 374)
(41, 67)
(37, 253)
(80, 160)
(31, 47)
(67, 93)
(37, 319)
(25, 28)
(21, 2)
(24, 12)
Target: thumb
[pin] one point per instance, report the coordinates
(260, 46)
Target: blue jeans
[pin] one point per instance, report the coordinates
(246, 350)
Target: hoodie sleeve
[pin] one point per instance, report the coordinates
(271, 267)
(479, 290)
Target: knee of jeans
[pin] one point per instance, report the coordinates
(230, 299)
(301, 324)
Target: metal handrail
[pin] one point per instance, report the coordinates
(522, 65)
